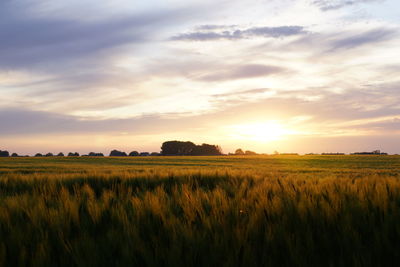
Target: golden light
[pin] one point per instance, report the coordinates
(260, 131)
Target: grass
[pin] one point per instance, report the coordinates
(200, 211)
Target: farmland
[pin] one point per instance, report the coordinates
(200, 211)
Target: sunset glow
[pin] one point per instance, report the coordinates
(260, 132)
(236, 73)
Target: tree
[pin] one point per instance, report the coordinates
(116, 153)
(4, 153)
(94, 154)
(60, 154)
(179, 148)
(239, 151)
(71, 154)
(248, 152)
(206, 150)
(38, 155)
(134, 154)
(49, 154)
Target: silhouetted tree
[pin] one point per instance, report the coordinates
(38, 155)
(144, 154)
(14, 155)
(71, 154)
(116, 153)
(180, 148)
(94, 154)
(4, 153)
(60, 154)
(206, 150)
(134, 154)
(239, 151)
(248, 152)
(375, 152)
(154, 154)
(177, 148)
(49, 154)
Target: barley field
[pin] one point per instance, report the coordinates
(200, 211)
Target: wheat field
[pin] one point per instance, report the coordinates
(200, 211)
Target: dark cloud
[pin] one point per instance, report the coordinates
(210, 33)
(17, 121)
(327, 5)
(275, 32)
(69, 60)
(242, 72)
(327, 43)
(29, 39)
(359, 39)
(208, 27)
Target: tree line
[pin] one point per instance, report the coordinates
(240, 152)
(169, 148)
(179, 148)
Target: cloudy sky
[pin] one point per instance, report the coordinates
(287, 75)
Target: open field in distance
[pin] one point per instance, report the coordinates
(200, 211)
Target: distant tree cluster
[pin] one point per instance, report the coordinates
(94, 154)
(133, 154)
(375, 152)
(117, 153)
(49, 155)
(4, 153)
(240, 152)
(179, 148)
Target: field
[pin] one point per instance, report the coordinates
(200, 211)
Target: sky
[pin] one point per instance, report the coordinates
(306, 76)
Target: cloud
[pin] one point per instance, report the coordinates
(343, 40)
(17, 121)
(208, 27)
(72, 63)
(333, 115)
(32, 40)
(210, 33)
(244, 92)
(275, 32)
(327, 5)
(242, 72)
(359, 39)
(326, 107)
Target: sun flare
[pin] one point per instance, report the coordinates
(260, 131)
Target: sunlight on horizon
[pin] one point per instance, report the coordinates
(131, 77)
(260, 131)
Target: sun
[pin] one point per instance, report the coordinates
(260, 131)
